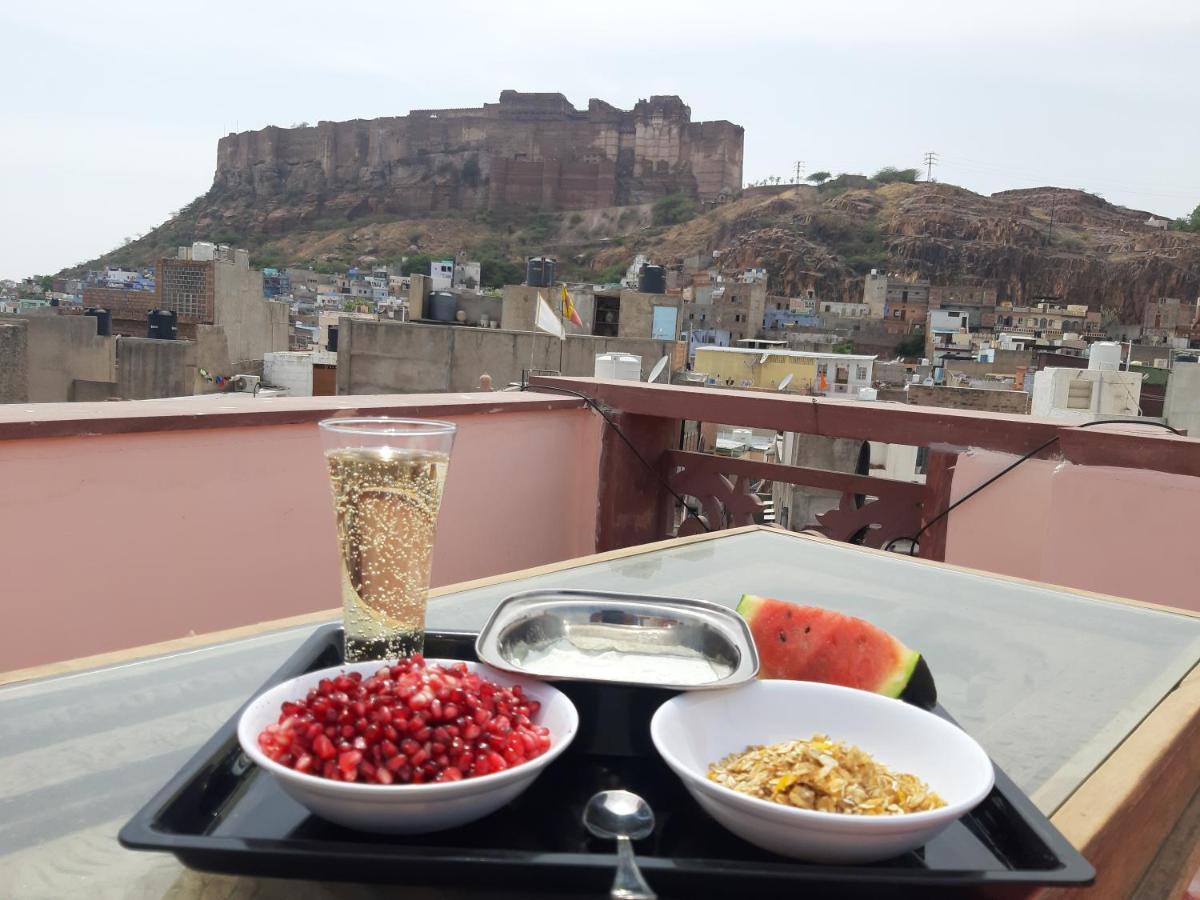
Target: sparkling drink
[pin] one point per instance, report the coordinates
(386, 499)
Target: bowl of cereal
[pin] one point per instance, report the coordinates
(820, 772)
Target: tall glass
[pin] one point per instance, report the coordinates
(387, 476)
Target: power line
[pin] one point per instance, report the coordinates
(931, 159)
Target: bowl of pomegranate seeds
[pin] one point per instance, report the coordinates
(409, 747)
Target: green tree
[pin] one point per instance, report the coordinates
(818, 177)
(495, 272)
(673, 209)
(1191, 223)
(890, 174)
(416, 264)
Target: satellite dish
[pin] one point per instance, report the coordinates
(787, 379)
(763, 359)
(658, 369)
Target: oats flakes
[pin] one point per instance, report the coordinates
(825, 776)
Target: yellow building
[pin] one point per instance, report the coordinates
(822, 373)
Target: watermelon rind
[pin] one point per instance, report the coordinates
(895, 685)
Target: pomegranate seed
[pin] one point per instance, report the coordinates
(323, 747)
(396, 763)
(408, 723)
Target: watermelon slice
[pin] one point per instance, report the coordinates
(807, 643)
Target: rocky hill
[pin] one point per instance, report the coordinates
(1037, 243)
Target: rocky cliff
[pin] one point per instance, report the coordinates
(528, 151)
(488, 181)
(1030, 244)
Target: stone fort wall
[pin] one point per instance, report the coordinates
(527, 151)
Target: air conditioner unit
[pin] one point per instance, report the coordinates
(247, 383)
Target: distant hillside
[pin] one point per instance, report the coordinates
(1041, 242)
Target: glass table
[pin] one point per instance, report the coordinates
(1050, 681)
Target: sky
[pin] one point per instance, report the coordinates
(110, 112)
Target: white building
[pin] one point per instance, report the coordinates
(466, 275)
(1182, 407)
(115, 276)
(1086, 394)
(292, 371)
(441, 274)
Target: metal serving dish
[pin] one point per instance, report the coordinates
(613, 638)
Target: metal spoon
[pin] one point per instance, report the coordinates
(624, 816)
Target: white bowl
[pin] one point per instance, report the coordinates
(693, 730)
(408, 808)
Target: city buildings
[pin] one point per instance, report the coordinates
(726, 311)
(901, 302)
(820, 374)
(1169, 321)
(276, 283)
(977, 301)
(1047, 318)
(209, 284)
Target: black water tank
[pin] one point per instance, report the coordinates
(652, 280)
(331, 341)
(160, 324)
(103, 320)
(441, 307)
(539, 271)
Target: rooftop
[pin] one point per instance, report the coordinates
(796, 354)
(179, 550)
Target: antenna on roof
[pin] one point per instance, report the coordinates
(658, 369)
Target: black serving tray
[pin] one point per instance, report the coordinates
(222, 814)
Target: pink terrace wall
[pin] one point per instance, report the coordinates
(110, 541)
(1111, 530)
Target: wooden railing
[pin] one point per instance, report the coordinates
(636, 506)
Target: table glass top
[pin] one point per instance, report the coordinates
(1050, 682)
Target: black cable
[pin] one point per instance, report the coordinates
(1034, 452)
(628, 443)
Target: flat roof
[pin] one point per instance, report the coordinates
(802, 354)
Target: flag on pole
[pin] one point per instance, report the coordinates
(569, 310)
(547, 321)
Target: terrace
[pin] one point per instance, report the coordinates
(138, 531)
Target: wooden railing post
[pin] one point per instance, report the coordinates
(631, 506)
(939, 475)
